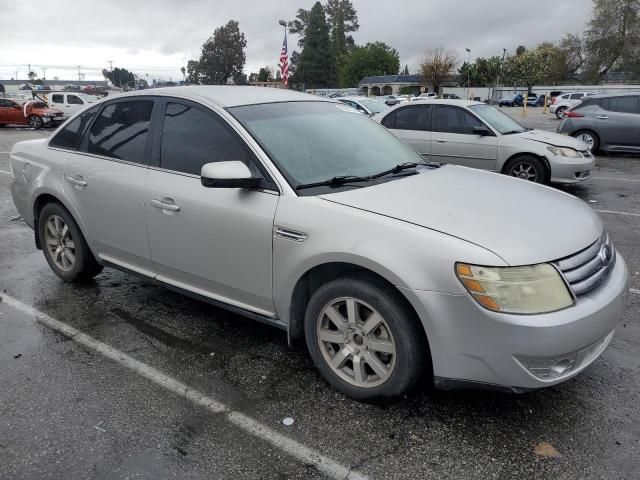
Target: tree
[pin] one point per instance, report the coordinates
(342, 18)
(222, 57)
(253, 77)
(264, 75)
(406, 70)
(372, 59)
(193, 72)
(437, 64)
(278, 76)
(120, 77)
(31, 75)
(520, 50)
(535, 66)
(572, 49)
(317, 66)
(611, 41)
(184, 71)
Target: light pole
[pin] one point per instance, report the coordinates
(468, 71)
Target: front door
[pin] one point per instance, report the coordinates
(618, 121)
(105, 182)
(215, 242)
(454, 140)
(11, 112)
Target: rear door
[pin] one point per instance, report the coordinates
(618, 122)
(105, 181)
(11, 112)
(455, 142)
(413, 125)
(74, 104)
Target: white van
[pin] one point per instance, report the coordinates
(68, 102)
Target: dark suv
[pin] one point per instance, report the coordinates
(608, 122)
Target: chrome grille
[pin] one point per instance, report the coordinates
(586, 269)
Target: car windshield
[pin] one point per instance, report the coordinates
(502, 122)
(316, 141)
(374, 105)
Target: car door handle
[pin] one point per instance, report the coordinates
(77, 180)
(441, 140)
(172, 207)
(602, 117)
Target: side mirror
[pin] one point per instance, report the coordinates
(232, 174)
(482, 131)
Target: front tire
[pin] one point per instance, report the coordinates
(589, 138)
(560, 112)
(527, 168)
(35, 122)
(363, 339)
(64, 247)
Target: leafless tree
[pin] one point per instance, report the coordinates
(437, 64)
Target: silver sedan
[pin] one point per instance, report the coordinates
(300, 212)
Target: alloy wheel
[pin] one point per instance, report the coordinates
(525, 171)
(588, 139)
(60, 244)
(35, 121)
(356, 342)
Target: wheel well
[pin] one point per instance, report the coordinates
(539, 157)
(38, 205)
(321, 274)
(592, 132)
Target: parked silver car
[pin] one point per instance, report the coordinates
(301, 213)
(478, 135)
(609, 122)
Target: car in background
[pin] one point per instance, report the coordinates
(450, 96)
(607, 122)
(428, 95)
(564, 102)
(478, 135)
(368, 106)
(552, 95)
(541, 100)
(289, 209)
(532, 100)
(68, 103)
(516, 100)
(38, 114)
(392, 100)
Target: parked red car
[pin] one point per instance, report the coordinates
(38, 114)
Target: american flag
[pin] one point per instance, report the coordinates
(284, 62)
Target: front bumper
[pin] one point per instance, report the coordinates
(571, 170)
(472, 345)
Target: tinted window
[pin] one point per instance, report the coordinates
(622, 104)
(57, 99)
(121, 130)
(576, 96)
(455, 120)
(74, 100)
(192, 137)
(7, 103)
(409, 118)
(69, 137)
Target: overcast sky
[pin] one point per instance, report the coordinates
(158, 37)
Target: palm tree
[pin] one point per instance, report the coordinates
(183, 70)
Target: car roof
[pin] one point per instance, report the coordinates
(617, 94)
(231, 95)
(355, 98)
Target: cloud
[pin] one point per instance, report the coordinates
(160, 37)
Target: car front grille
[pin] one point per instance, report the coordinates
(586, 269)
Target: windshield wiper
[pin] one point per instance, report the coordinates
(334, 182)
(397, 169)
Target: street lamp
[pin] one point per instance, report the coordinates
(468, 71)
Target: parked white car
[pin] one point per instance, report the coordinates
(366, 105)
(68, 102)
(478, 135)
(564, 102)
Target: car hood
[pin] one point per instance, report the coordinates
(523, 223)
(551, 138)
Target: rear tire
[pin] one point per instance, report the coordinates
(590, 138)
(560, 112)
(527, 167)
(363, 339)
(64, 246)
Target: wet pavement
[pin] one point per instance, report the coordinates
(67, 411)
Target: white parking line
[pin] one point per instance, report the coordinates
(613, 212)
(617, 179)
(259, 430)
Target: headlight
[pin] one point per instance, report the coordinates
(523, 290)
(564, 152)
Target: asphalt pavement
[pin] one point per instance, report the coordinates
(122, 379)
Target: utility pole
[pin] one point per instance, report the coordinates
(111, 68)
(44, 73)
(79, 74)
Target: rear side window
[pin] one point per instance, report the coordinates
(57, 98)
(192, 137)
(69, 137)
(627, 104)
(417, 117)
(576, 96)
(455, 120)
(121, 130)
